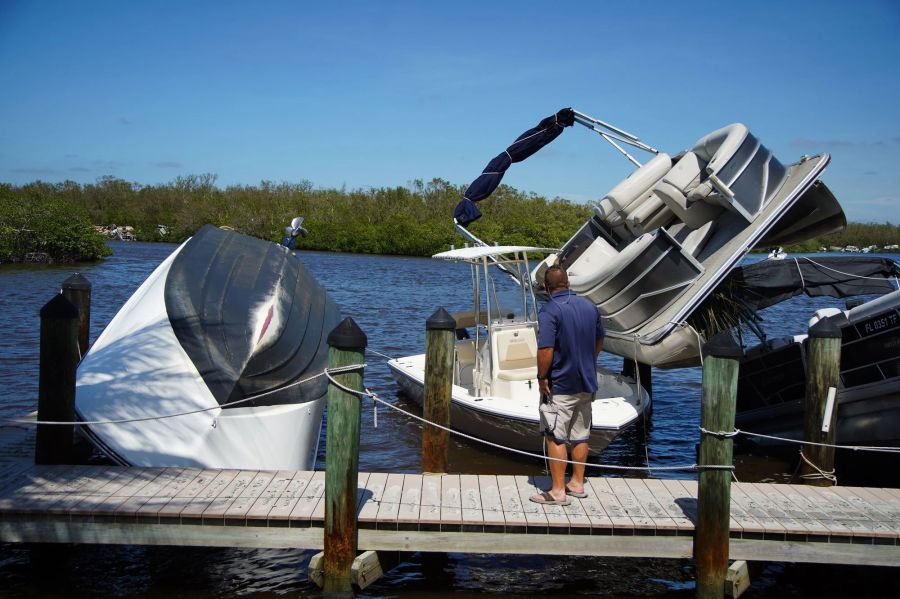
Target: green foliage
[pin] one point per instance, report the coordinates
(40, 217)
(415, 220)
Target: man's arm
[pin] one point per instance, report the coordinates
(598, 347)
(544, 363)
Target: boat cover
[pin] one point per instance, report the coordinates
(525, 145)
(223, 292)
(769, 282)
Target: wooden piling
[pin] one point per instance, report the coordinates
(347, 344)
(77, 289)
(823, 367)
(56, 381)
(717, 409)
(439, 339)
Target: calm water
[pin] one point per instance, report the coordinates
(389, 298)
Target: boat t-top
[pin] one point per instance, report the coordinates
(495, 393)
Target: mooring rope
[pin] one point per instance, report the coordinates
(737, 431)
(375, 398)
(819, 473)
(174, 415)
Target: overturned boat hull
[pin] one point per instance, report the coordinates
(215, 361)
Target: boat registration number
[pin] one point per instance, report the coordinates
(878, 324)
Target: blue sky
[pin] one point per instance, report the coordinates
(371, 94)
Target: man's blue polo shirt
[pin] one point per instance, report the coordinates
(571, 325)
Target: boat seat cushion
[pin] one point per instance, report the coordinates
(614, 206)
(685, 192)
(651, 213)
(516, 354)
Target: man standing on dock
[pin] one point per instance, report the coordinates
(570, 337)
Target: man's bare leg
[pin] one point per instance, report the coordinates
(557, 469)
(579, 454)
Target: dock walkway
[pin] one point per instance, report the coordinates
(446, 513)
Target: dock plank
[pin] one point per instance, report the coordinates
(676, 512)
(624, 493)
(389, 506)
(236, 513)
(651, 506)
(621, 521)
(793, 505)
(513, 511)
(599, 520)
(856, 520)
(410, 502)
(280, 513)
(430, 507)
(451, 503)
(491, 503)
(790, 525)
(313, 494)
(536, 517)
(470, 501)
(374, 491)
(554, 516)
(825, 512)
(258, 514)
(869, 505)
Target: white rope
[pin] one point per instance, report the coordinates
(693, 467)
(800, 272)
(737, 431)
(167, 416)
(819, 473)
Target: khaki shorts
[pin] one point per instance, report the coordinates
(567, 418)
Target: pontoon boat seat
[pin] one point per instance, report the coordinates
(677, 190)
(515, 354)
(628, 196)
(735, 171)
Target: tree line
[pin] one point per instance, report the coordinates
(413, 220)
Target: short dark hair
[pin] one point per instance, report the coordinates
(555, 277)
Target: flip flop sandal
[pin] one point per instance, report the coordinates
(545, 498)
(572, 493)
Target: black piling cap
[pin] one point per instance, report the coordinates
(59, 308)
(722, 345)
(440, 321)
(347, 335)
(827, 328)
(77, 281)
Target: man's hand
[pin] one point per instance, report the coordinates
(544, 387)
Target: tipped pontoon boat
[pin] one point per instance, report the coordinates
(495, 389)
(662, 240)
(213, 361)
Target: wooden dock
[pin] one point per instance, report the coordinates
(637, 517)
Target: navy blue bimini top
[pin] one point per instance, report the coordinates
(571, 325)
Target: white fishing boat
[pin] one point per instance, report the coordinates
(495, 393)
(213, 361)
(662, 240)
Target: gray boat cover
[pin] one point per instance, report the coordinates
(769, 282)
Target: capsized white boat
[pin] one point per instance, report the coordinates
(213, 361)
(495, 393)
(662, 240)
